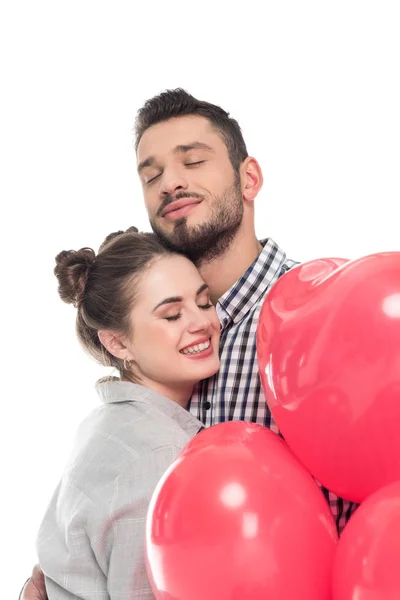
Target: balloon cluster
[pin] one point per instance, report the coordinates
(239, 515)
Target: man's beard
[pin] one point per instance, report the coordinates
(207, 241)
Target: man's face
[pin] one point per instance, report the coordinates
(192, 194)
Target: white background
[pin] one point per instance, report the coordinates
(315, 87)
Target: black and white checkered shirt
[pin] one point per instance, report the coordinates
(235, 392)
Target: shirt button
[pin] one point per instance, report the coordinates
(207, 405)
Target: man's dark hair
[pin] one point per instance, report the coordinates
(179, 103)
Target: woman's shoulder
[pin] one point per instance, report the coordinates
(132, 426)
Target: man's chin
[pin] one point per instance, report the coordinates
(178, 228)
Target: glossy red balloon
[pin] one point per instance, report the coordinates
(367, 565)
(237, 517)
(328, 346)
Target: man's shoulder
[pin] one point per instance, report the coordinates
(289, 264)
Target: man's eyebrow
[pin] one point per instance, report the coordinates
(193, 146)
(145, 163)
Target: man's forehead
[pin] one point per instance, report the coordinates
(167, 136)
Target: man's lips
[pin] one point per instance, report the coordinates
(179, 204)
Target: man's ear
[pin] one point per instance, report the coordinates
(252, 178)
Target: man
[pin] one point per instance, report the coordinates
(199, 187)
(34, 588)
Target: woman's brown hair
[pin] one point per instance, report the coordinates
(103, 287)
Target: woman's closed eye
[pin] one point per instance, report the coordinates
(179, 314)
(174, 317)
(206, 306)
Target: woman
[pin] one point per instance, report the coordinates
(146, 312)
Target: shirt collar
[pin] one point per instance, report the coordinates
(258, 278)
(112, 391)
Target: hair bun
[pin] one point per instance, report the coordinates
(72, 270)
(112, 236)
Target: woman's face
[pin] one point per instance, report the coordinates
(175, 328)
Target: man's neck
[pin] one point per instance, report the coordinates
(221, 273)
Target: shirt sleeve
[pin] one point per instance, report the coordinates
(117, 528)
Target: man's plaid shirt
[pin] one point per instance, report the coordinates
(235, 392)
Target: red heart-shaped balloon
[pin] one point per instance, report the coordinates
(328, 345)
(366, 566)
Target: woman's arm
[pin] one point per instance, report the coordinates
(95, 545)
(118, 530)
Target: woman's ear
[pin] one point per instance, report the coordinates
(114, 343)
